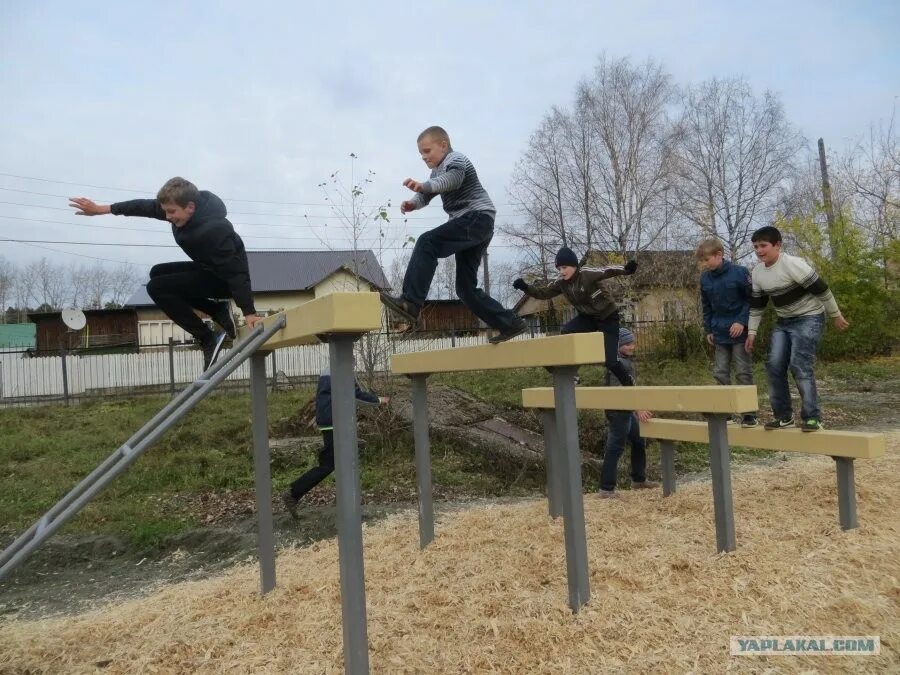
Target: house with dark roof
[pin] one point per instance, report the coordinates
(665, 287)
(280, 280)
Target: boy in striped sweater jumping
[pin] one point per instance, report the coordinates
(801, 300)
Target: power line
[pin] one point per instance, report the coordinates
(372, 245)
(81, 255)
(146, 192)
(301, 216)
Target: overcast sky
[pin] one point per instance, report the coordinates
(263, 101)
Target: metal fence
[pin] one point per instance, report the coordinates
(33, 377)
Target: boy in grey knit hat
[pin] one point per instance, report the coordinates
(623, 426)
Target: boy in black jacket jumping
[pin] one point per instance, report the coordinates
(219, 267)
(596, 310)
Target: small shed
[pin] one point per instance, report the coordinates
(104, 328)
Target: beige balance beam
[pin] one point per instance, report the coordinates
(351, 313)
(852, 444)
(712, 399)
(560, 350)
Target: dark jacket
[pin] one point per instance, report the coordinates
(323, 401)
(725, 293)
(610, 380)
(208, 238)
(583, 291)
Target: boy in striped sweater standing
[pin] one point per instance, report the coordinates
(801, 300)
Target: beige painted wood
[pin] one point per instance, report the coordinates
(712, 399)
(859, 445)
(334, 313)
(560, 350)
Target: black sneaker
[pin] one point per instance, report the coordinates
(577, 380)
(811, 424)
(224, 318)
(749, 422)
(519, 327)
(291, 503)
(401, 307)
(211, 349)
(779, 424)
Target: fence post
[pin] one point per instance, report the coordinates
(65, 374)
(172, 366)
(453, 338)
(274, 373)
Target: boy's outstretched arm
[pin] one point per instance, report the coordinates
(141, 208)
(592, 274)
(539, 292)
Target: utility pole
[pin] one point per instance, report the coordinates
(826, 198)
(487, 274)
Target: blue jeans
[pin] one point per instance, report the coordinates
(622, 427)
(466, 238)
(793, 347)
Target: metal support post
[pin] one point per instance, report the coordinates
(262, 472)
(667, 459)
(349, 510)
(552, 462)
(423, 459)
(720, 466)
(573, 498)
(65, 374)
(171, 366)
(846, 493)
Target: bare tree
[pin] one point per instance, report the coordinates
(100, 284)
(872, 170)
(735, 151)
(122, 282)
(49, 289)
(446, 278)
(7, 286)
(539, 176)
(627, 107)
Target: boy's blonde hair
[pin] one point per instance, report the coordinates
(178, 191)
(437, 133)
(708, 247)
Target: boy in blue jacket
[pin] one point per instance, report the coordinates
(323, 469)
(725, 291)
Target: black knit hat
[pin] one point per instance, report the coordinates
(566, 256)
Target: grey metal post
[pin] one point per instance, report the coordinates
(172, 366)
(349, 510)
(720, 467)
(846, 493)
(423, 459)
(262, 472)
(552, 463)
(274, 373)
(667, 457)
(572, 497)
(65, 374)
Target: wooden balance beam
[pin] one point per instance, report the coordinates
(338, 319)
(351, 314)
(716, 403)
(843, 446)
(561, 355)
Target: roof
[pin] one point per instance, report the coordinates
(272, 271)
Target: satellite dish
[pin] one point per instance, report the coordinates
(74, 318)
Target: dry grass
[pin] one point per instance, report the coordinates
(490, 594)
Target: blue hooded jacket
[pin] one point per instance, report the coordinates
(323, 401)
(725, 293)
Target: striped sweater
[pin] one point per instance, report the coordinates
(456, 181)
(795, 290)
